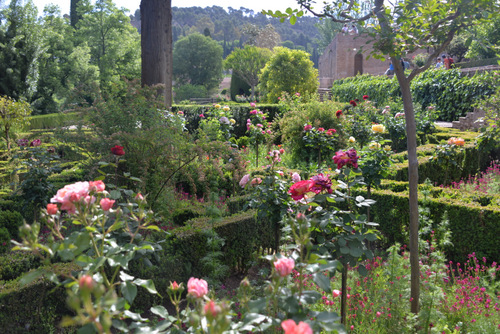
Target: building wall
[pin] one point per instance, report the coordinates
(338, 60)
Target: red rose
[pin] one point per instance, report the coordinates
(299, 189)
(338, 113)
(353, 103)
(117, 150)
(365, 97)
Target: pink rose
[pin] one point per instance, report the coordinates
(107, 203)
(335, 293)
(86, 282)
(295, 177)
(52, 209)
(307, 127)
(211, 309)
(284, 266)
(197, 287)
(321, 129)
(97, 186)
(255, 181)
(244, 180)
(70, 194)
(290, 327)
(252, 104)
(202, 116)
(253, 112)
(299, 189)
(139, 197)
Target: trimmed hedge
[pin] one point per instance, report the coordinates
(452, 93)
(14, 264)
(36, 307)
(474, 228)
(50, 121)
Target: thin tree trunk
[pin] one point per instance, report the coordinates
(156, 44)
(343, 296)
(411, 133)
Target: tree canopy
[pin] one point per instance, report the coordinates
(247, 64)
(198, 61)
(289, 71)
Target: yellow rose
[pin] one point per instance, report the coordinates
(232, 121)
(374, 145)
(387, 148)
(351, 140)
(217, 106)
(378, 128)
(226, 108)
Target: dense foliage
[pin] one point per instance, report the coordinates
(452, 93)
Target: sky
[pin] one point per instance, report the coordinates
(132, 5)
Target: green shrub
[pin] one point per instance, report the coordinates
(36, 307)
(238, 87)
(318, 114)
(4, 241)
(188, 91)
(180, 216)
(11, 220)
(14, 264)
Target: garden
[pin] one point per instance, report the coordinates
(124, 217)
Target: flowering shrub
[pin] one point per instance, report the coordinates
(101, 294)
(321, 142)
(216, 124)
(258, 129)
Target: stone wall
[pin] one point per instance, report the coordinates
(347, 56)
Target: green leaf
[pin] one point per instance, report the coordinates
(125, 277)
(257, 305)
(31, 276)
(147, 284)
(100, 178)
(129, 291)
(153, 227)
(115, 194)
(87, 329)
(293, 20)
(323, 281)
(160, 311)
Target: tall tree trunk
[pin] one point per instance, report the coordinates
(156, 44)
(411, 134)
(73, 13)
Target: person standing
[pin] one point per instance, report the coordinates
(446, 62)
(439, 63)
(452, 62)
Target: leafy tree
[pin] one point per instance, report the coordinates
(459, 46)
(20, 51)
(289, 71)
(198, 61)
(247, 64)
(485, 43)
(406, 26)
(12, 114)
(113, 41)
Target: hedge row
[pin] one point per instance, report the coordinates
(452, 93)
(466, 163)
(51, 121)
(36, 307)
(474, 228)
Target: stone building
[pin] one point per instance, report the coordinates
(346, 56)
